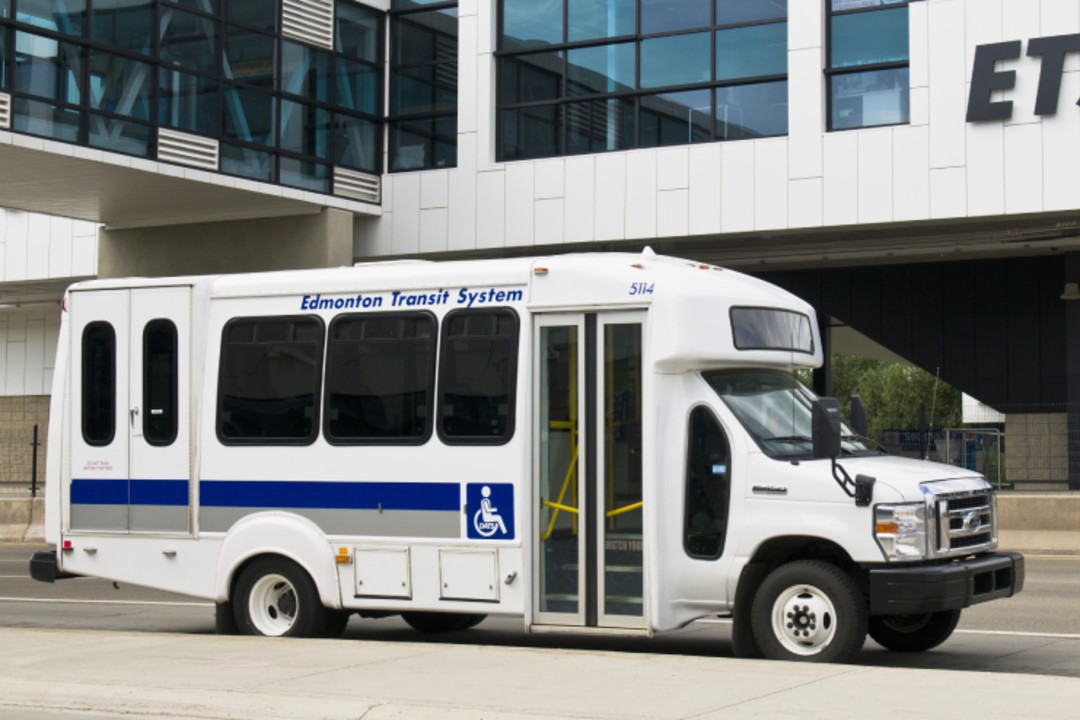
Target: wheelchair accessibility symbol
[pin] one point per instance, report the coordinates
(494, 517)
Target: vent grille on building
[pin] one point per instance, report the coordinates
(357, 185)
(5, 111)
(309, 21)
(190, 150)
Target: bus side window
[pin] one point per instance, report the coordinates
(98, 384)
(708, 486)
(380, 376)
(160, 383)
(271, 371)
(477, 376)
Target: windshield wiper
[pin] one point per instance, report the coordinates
(790, 439)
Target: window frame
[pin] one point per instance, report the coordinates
(564, 99)
(92, 393)
(511, 380)
(432, 374)
(174, 391)
(319, 381)
(831, 72)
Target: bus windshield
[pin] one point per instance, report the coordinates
(775, 408)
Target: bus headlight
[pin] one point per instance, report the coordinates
(900, 531)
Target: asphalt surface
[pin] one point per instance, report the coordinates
(83, 648)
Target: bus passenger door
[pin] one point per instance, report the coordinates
(588, 471)
(129, 408)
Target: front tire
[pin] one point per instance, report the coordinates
(811, 611)
(277, 598)
(913, 633)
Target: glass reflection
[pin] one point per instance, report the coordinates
(869, 38)
(865, 99)
(425, 37)
(249, 115)
(126, 24)
(531, 132)
(676, 60)
(425, 143)
(531, 78)
(357, 86)
(47, 68)
(659, 16)
(187, 40)
(356, 32)
(731, 12)
(356, 142)
(119, 135)
(754, 51)
(187, 102)
(62, 16)
(678, 118)
(594, 19)
(531, 23)
(119, 85)
(600, 125)
(601, 69)
(752, 111)
(305, 71)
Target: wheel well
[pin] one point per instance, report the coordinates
(778, 551)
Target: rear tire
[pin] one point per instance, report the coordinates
(913, 633)
(811, 611)
(277, 598)
(436, 622)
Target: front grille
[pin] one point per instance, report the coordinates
(965, 519)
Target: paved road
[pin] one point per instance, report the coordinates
(1036, 632)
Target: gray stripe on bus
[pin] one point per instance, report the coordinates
(165, 518)
(388, 523)
(99, 517)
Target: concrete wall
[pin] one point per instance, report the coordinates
(300, 241)
(937, 167)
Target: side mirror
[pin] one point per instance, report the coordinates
(859, 422)
(826, 428)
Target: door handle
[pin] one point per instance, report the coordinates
(134, 413)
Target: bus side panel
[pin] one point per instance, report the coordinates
(56, 475)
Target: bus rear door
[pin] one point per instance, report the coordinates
(130, 410)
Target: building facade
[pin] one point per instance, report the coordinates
(904, 165)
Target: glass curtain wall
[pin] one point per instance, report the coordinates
(587, 76)
(868, 63)
(422, 117)
(108, 73)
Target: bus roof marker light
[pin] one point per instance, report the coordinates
(540, 271)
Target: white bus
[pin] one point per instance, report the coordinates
(595, 442)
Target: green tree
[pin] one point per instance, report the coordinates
(894, 394)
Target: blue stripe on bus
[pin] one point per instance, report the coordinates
(85, 491)
(330, 495)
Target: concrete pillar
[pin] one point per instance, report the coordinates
(323, 239)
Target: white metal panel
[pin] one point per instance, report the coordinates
(982, 25)
(1061, 149)
(469, 575)
(84, 249)
(806, 112)
(673, 168)
(434, 189)
(1024, 168)
(463, 205)
(18, 230)
(985, 168)
(805, 202)
(673, 213)
(918, 45)
(520, 202)
(841, 178)
(491, 209)
(35, 356)
(549, 221)
(62, 230)
(948, 90)
(469, 60)
(641, 194)
(1062, 17)
(405, 238)
(771, 184)
(550, 179)
(433, 229)
(911, 173)
(383, 572)
(919, 107)
(580, 204)
(610, 211)
(876, 175)
(948, 195)
(39, 233)
(737, 187)
(704, 197)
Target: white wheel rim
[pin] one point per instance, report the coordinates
(273, 605)
(804, 620)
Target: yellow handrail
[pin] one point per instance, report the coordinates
(557, 506)
(628, 508)
(571, 473)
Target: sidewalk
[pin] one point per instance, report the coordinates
(189, 676)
